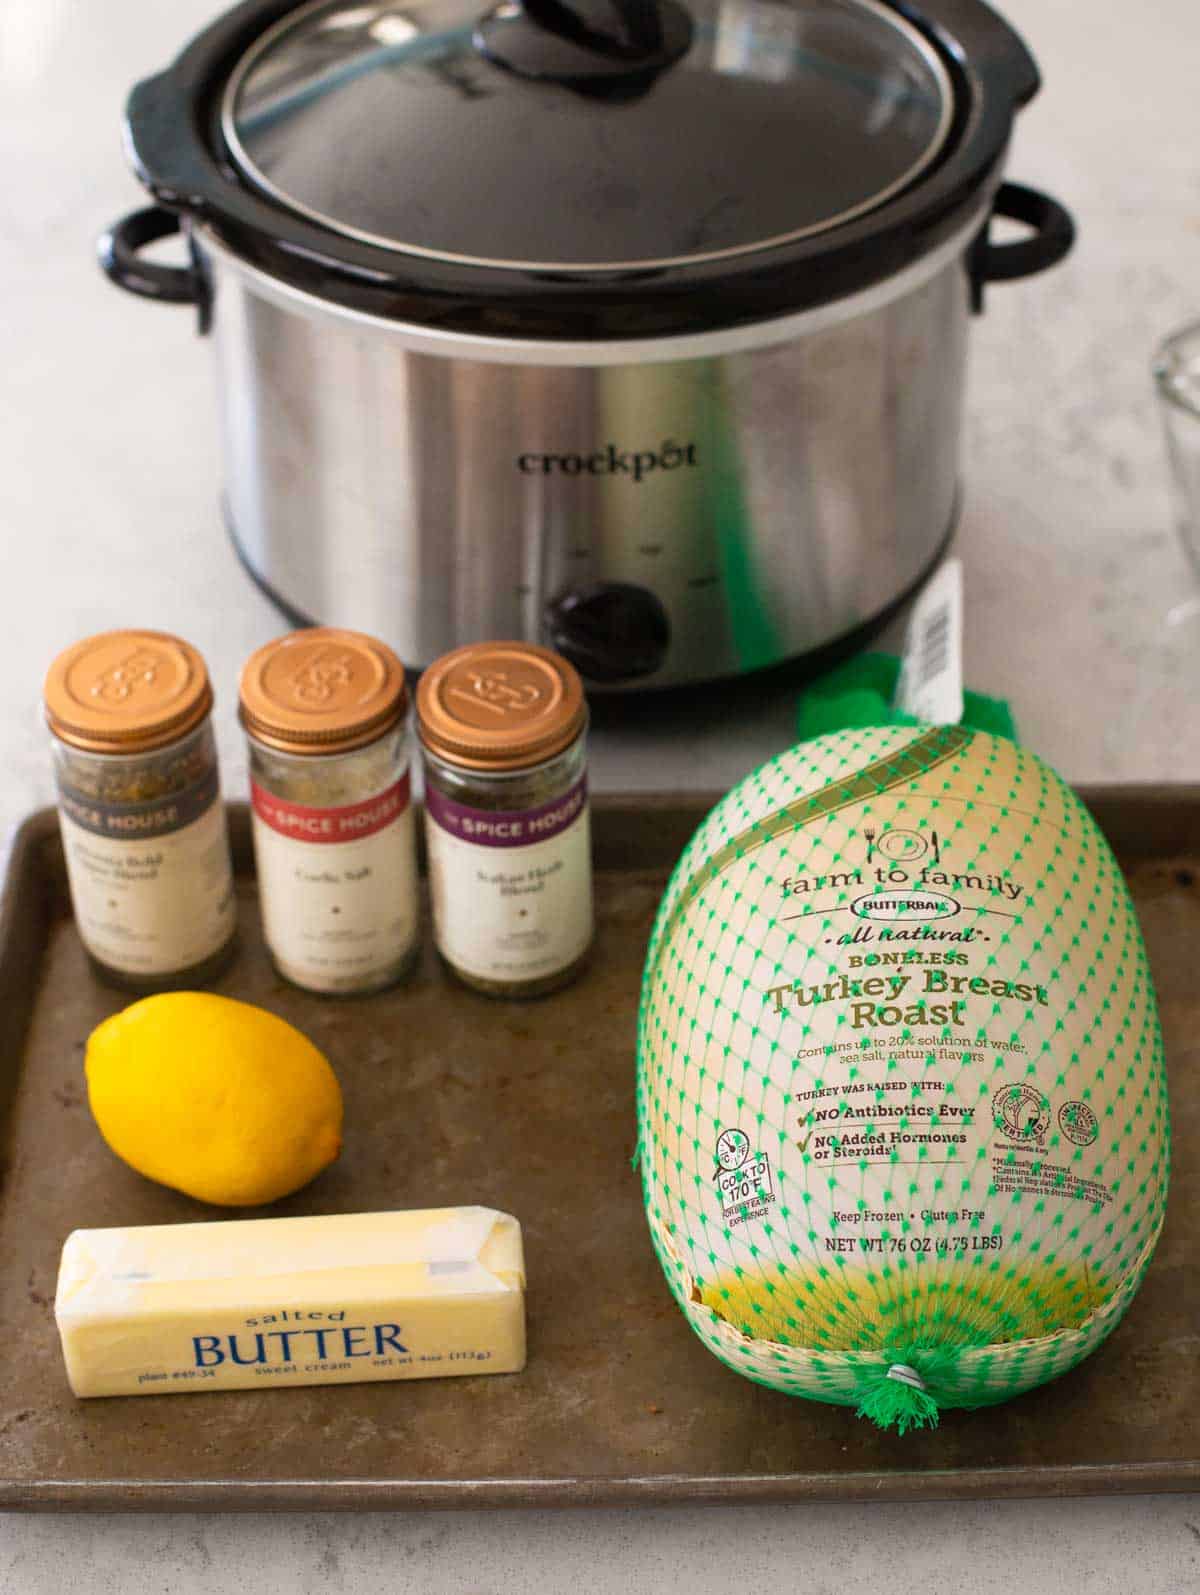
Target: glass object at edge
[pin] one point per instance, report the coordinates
(1177, 378)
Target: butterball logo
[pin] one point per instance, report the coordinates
(637, 464)
(893, 907)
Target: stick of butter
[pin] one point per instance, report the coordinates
(251, 1304)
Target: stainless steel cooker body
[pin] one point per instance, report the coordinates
(637, 327)
(671, 511)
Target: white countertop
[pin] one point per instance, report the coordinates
(108, 500)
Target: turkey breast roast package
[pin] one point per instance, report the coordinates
(903, 1113)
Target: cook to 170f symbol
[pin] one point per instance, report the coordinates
(733, 1148)
(743, 1178)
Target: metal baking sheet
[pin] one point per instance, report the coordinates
(452, 1098)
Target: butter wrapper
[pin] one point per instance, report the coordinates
(262, 1303)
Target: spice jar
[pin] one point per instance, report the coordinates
(325, 713)
(143, 827)
(506, 816)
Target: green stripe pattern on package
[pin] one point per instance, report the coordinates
(902, 1108)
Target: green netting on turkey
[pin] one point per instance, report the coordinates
(903, 1119)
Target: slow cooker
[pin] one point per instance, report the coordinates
(635, 327)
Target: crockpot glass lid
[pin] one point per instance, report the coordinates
(586, 135)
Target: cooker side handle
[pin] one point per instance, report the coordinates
(119, 250)
(1053, 233)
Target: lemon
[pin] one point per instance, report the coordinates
(216, 1098)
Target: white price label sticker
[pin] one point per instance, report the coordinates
(931, 678)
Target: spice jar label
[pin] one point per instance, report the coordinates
(352, 822)
(512, 889)
(150, 881)
(338, 885)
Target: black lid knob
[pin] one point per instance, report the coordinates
(610, 631)
(611, 49)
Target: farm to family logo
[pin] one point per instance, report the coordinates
(902, 886)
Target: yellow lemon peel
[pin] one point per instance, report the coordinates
(216, 1098)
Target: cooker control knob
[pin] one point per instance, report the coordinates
(610, 631)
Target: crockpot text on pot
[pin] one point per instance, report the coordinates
(611, 461)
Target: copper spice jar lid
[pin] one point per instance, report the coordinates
(322, 691)
(127, 692)
(500, 705)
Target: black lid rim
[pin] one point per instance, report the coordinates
(174, 140)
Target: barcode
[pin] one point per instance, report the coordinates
(934, 653)
(930, 684)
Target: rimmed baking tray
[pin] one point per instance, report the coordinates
(452, 1097)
